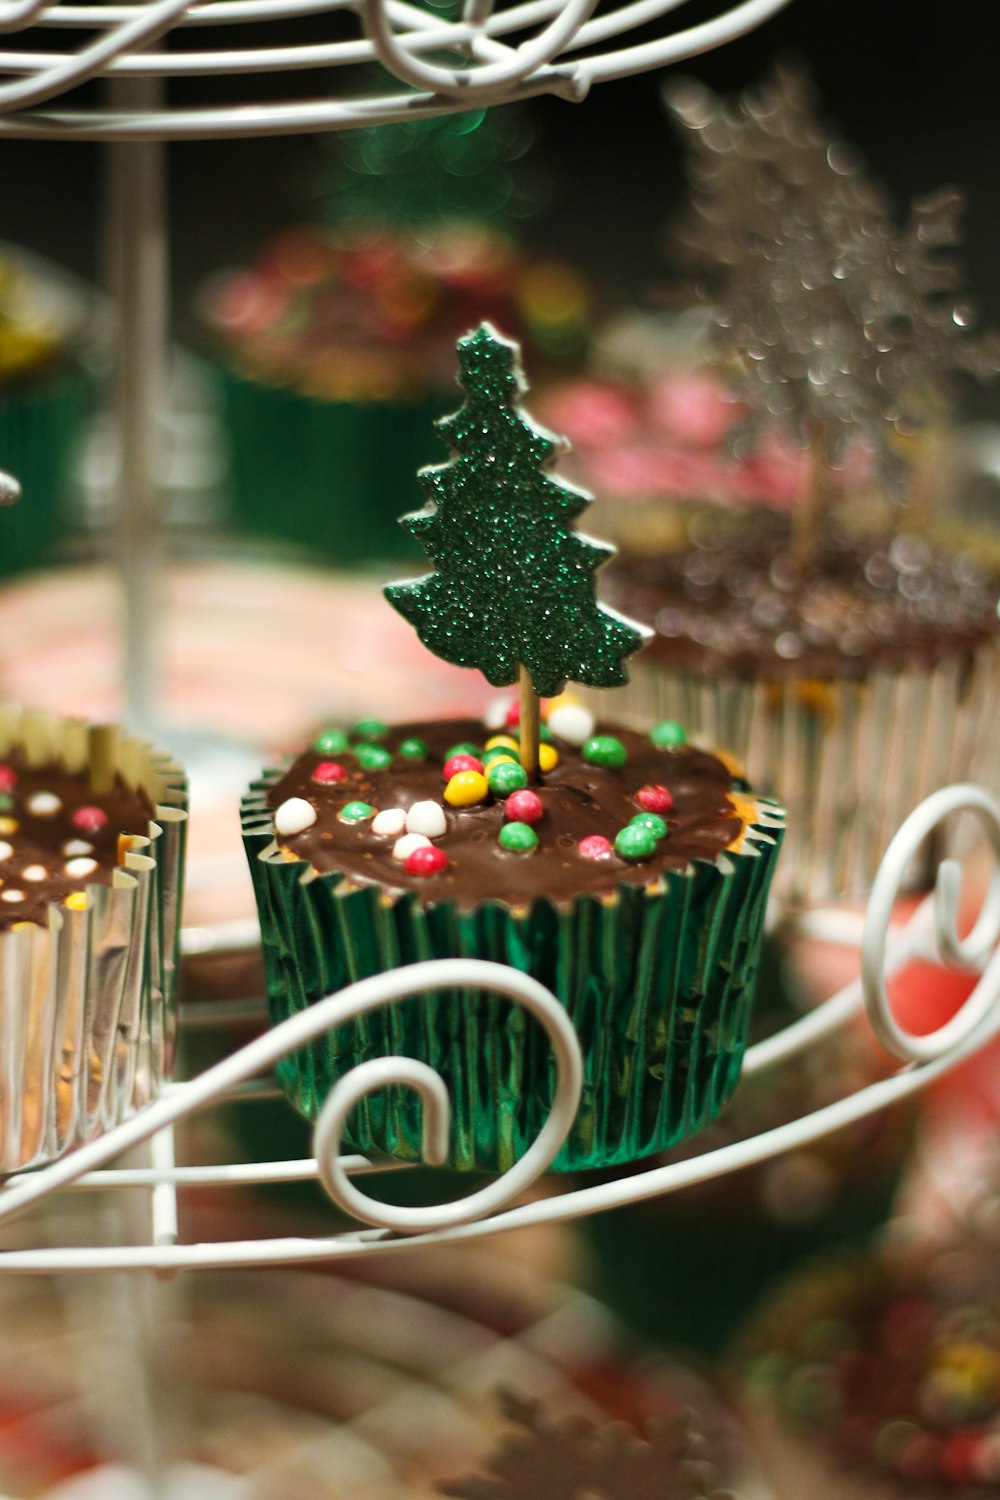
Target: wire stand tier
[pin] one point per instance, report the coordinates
(932, 933)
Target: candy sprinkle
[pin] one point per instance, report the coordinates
(604, 750)
(572, 722)
(78, 869)
(500, 752)
(328, 771)
(635, 842)
(39, 872)
(518, 838)
(413, 749)
(595, 846)
(429, 860)
(8, 825)
(464, 747)
(548, 757)
(294, 815)
(506, 776)
(10, 894)
(372, 757)
(466, 789)
(502, 742)
(89, 819)
(427, 818)
(8, 778)
(524, 807)
(462, 762)
(331, 742)
(370, 730)
(404, 847)
(654, 798)
(351, 812)
(652, 821)
(71, 848)
(390, 822)
(43, 804)
(668, 735)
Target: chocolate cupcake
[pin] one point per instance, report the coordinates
(630, 879)
(847, 648)
(91, 847)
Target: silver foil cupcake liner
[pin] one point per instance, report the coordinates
(86, 1002)
(849, 758)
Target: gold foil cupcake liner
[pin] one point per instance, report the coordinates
(849, 757)
(86, 1002)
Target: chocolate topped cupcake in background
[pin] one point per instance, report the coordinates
(846, 646)
(627, 872)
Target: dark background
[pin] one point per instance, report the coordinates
(914, 83)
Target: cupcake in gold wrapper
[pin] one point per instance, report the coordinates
(92, 826)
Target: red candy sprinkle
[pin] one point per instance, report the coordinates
(523, 807)
(595, 846)
(427, 860)
(461, 763)
(89, 819)
(8, 777)
(328, 771)
(512, 717)
(654, 798)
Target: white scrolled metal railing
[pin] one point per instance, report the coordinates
(931, 933)
(498, 55)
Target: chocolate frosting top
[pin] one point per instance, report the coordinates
(579, 799)
(42, 853)
(739, 604)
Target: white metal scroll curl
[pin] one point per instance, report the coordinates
(973, 950)
(492, 78)
(357, 999)
(379, 1073)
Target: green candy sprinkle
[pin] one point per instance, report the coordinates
(545, 734)
(370, 730)
(604, 750)
(635, 842)
(331, 742)
(519, 838)
(372, 757)
(668, 735)
(6, 802)
(355, 812)
(499, 752)
(652, 821)
(506, 776)
(465, 748)
(413, 749)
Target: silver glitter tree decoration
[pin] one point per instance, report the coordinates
(829, 318)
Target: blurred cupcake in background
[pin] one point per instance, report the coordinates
(47, 329)
(335, 348)
(815, 604)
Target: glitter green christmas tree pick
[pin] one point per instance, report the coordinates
(513, 590)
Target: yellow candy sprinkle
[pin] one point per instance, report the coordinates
(505, 740)
(548, 757)
(76, 901)
(466, 788)
(8, 825)
(561, 700)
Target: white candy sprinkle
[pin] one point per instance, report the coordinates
(390, 821)
(6, 850)
(294, 816)
(405, 846)
(44, 804)
(76, 869)
(427, 818)
(572, 723)
(495, 716)
(77, 846)
(34, 872)
(11, 895)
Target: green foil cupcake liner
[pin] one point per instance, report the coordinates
(40, 425)
(658, 982)
(852, 756)
(332, 476)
